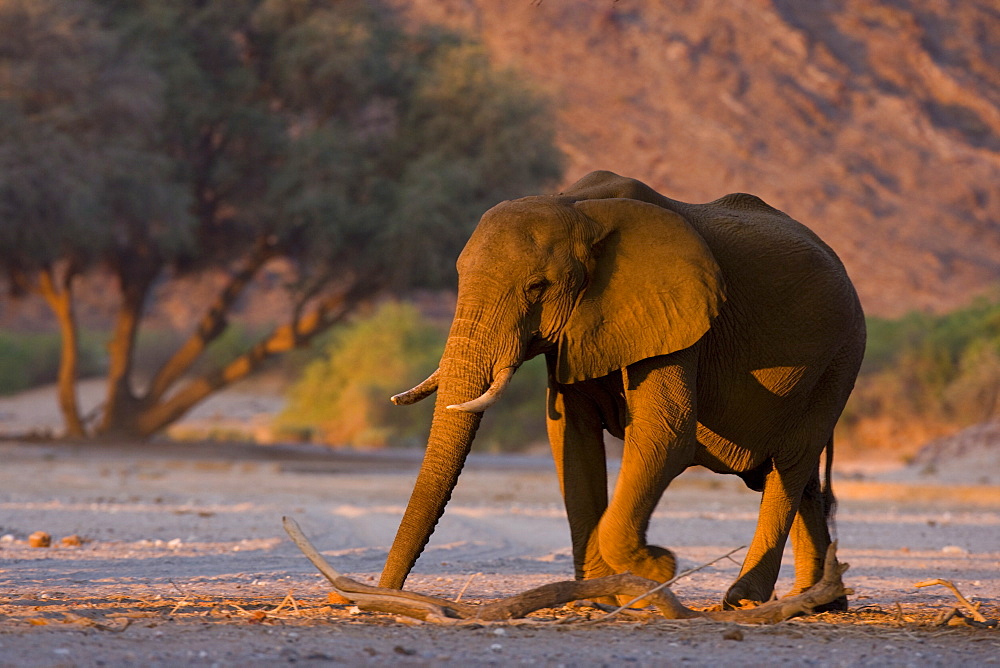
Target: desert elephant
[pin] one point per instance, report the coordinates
(725, 335)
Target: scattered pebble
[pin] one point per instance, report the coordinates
(71, 541)
(40, 539)
(954, 549)
(733, 634)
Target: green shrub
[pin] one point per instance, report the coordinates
(929, 373)
(342, 397)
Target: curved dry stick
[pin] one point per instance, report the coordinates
(971, 609)
(557, 594)
(372, 598)
(827, 590)
(431, 608)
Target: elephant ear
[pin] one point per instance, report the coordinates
(654, 288)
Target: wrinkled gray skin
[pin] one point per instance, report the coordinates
(725, 335)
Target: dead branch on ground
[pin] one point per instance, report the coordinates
(440, 610)
(977, 618)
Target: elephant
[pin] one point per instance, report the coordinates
(725, 335)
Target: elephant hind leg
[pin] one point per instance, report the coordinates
(811, 535)
(779, 505)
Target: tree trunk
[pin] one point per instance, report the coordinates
(121, 403)
(59, 296)
(154, 416)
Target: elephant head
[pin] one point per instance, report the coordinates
(595, 285)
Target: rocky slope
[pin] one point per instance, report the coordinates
(876, 122)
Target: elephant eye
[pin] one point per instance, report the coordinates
(536, 286)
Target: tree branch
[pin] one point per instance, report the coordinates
(973, 610)
(440, 610)
(212, 324)
(303, 329)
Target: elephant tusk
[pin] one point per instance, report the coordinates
(418, 393)
(490, 396)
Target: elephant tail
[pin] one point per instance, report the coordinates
(829, 500)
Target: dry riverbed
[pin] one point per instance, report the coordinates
(182, 561)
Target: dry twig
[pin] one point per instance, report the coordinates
(440, 610)
(288, 600)
(467, 583)
(972, 609)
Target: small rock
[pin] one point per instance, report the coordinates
(954, 549)
(733, 634)
(405, 651)
(71, 541)
(336, 599)
(40, 539)
(496, 647)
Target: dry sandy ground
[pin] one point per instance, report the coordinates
(184, 562)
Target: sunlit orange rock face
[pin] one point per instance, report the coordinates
(877, 123)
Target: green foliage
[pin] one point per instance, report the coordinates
(79, 169)
(342, 397)
(322, 127)
(154, 138)
(936, 369)
(31, 359)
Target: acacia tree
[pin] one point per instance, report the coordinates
(321, 133)
(81, 181)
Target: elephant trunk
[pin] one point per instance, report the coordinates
(466, 372)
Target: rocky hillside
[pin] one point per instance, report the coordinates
(876, 122)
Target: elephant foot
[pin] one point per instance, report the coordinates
(838, 605)
(742, 595)
(594, 570)
(651, 562)
(660, 565)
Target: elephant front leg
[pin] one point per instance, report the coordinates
(659, 444)
(576, 435)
